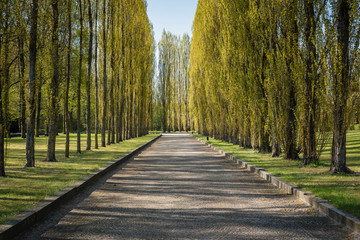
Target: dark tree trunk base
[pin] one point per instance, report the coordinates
(29, 165)
(50, 160)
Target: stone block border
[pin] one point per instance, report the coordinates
(323, 206)
(28, 218)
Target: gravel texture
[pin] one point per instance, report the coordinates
(181, 189)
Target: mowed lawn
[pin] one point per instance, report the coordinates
(25, 187)
(341, 190)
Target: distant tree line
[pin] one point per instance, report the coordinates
(277, 76)
(171, 98)
(84, 65)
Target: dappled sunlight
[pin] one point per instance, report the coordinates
(192, 196)
(25, 187)
(341, 190)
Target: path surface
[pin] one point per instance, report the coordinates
(181, 189)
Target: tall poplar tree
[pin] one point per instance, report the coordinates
(341, 88)
(30, 141)
(78, 109)
(88, 81)
(104, 40)
(68, 77)
(54, 85)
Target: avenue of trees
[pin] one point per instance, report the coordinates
(171, 101)
(74, 66)
(277, 76)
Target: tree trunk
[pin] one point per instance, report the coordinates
(78, 115)
(2, 129)
(248, 140)
(291, 33)
(341, 91)
(30, 140)
(290, 132)
(311, 82)
(103, 121)
(6, 69)
(275, 145)
(88, 82)
(22, 103)
(117, 107)
(109, 130)
(66, 102)
(53, 111)
(38, 107)
(96, 79)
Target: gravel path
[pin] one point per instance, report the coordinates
(181, 189)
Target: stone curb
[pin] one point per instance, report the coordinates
(28, 218)
(323, 206)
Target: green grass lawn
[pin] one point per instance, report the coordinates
(343, 191)
(25, 187)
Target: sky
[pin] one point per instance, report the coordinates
(176, 16)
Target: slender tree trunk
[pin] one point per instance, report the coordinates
(311, 83)
(275, 146)
(127, 117)
(111, 135)
(130, 119)
(38, 106)
(22, 103)
(2, 127)
(6, 68)
(78, 115)
(122, 92)
(66, 102)
(264, 135)
(291, 33)
(341, 91)
(121, 120)
(264, 140)
(96, 79)
(103, 143)
(248, 139)
(117, 107)
(290, 134)
(2, 133)
(63, 122)
(30, 140)
(53, 126)
(88, 82)
(109, 130)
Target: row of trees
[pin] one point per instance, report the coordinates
(276, 75)
(172, 90)
(92, 58)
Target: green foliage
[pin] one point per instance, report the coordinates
(130, 67)
(263, 73)
(172, 98)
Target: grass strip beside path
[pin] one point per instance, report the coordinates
(23, 188)
(343, 191)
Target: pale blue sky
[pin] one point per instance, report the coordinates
(175, 16)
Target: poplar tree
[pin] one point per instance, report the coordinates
(30, 141)
(341, 88)
(88, 80)
(54, 85)
(68, 77)
(78, 109)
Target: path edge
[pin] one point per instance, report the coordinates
(30, 217)
(322, 205)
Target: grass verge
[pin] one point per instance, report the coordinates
(343, 191)
(23, 188)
